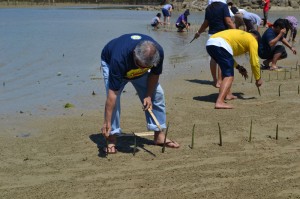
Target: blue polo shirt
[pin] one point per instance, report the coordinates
(118, 54)
(264, 48)
(215, 14)
(180, 18)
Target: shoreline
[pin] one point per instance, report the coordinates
(4, 5)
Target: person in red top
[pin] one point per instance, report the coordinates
(266, 8)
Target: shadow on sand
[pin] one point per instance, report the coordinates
(125, 144)
(213, 97)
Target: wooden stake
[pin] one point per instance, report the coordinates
(284, 74)
(164, 146)
(107, 148)
(276, 132)
(220, 134)
(250, 136)
(258, 91)
(193, 135)
(134, 148)
(279, 90)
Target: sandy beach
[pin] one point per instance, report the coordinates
(60, 156)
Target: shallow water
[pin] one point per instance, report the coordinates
(50, 57)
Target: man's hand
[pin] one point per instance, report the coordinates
(283, 31)
(294, 50)
(243, 71)
(258, 82)
(147, 103)
(106, 130)
(197, 35)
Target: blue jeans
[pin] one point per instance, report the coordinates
(140, 85)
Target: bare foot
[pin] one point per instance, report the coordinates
(230, 97)
(223, 106)
(159, 139)
(273, 68)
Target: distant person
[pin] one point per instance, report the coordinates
(156, 21)
(251, 20)
(238, 17)
(138, 59)
(266, 7)
(182, 21)
(217, 18)
(291, 24)
(269, 49)
(222, 47)
(167, 12)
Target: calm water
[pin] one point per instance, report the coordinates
(49, 57)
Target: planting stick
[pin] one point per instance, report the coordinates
(279, 90)
(154, 118)
(250, 136)
(134, 148)
(284, 74)
(258, 91)
(290, 74)
(276, 132)
(164, 146)
(220, 134)
(193, 134)
(106, 147)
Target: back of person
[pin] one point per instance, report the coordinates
(239, 40)
(167, 6)
(215, 14)
(265, 48)
(255, 19)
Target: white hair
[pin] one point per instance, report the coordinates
(147, 53)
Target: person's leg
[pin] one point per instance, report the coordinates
(276, 57)
(226, 62)
(217, 78)
(115, 123)
(223, 92)
(279, 53)
(158, 109)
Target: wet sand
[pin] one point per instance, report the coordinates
(60, 156)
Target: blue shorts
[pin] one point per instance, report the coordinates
(165, 12)
(223, 58)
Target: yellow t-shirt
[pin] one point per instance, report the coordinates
(242, 42)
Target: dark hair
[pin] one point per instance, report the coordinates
(158, 15)
(279, 23)
(187, 12)
(172, 6)
(256, 33)
(288, 25)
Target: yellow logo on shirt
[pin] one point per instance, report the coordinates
(136, 72)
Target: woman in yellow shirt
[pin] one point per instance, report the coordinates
(222, 47)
